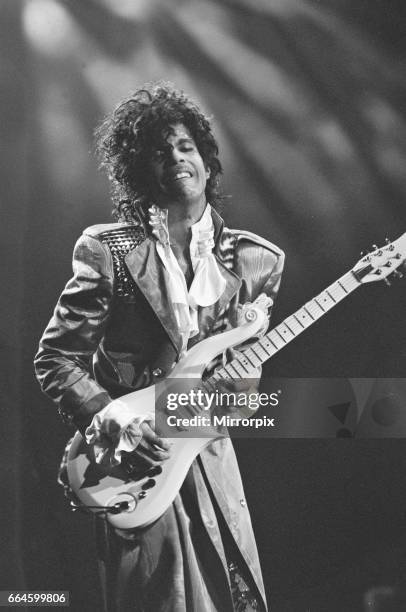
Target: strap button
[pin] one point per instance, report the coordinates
(157, 372)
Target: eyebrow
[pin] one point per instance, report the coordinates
(187, 139)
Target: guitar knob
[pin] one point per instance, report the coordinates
(251, 315)
(155, 471)
(149, 484)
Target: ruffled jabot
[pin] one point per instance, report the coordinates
(208, 284)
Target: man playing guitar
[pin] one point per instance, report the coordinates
(146, 289)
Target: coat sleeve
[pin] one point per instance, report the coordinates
(63, 362)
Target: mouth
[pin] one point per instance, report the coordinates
(178, 176)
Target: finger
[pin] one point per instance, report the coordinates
(152, 437)
(225, 385)
(152, 452)
(237, 386)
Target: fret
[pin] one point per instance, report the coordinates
(325, 301)
(285, 333)
(348, 282)
(292, 324)
(243, 362)
(303, 318)
(342, 287)
(252, 357)
(232, 371)
(331, 296)
(337, 291)
(242, 372)
(269, 346)
(317, 310)
(277, 340)
(299, 321)
(258, 349)
(316, 300)
(313, 311)
(306, 307)
(352, 281)
(219, 374)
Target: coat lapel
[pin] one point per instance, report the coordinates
(148, 273)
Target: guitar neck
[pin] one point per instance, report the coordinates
(272, 342)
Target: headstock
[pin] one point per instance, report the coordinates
(382, 262)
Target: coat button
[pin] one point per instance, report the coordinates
(243, 503)
(157, 372)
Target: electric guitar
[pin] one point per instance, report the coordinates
(128, 503)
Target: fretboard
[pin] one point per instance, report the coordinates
(272, 342)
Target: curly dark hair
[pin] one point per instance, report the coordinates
(127, 140)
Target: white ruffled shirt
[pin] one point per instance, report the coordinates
(208, 283)
(114, 429)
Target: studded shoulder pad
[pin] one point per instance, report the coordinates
(121, 238)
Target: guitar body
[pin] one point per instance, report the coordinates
(138, 506)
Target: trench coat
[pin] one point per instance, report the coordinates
(114, 331)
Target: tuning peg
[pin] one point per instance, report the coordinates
(376, 248)
(387, 281)
(387, 241)
(398, 274)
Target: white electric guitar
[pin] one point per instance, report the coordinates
(128, 503)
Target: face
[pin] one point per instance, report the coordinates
(178, 171)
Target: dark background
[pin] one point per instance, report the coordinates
(309, 100)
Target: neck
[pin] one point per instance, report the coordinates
(181, 217)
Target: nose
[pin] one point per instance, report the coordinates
(174, 156)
